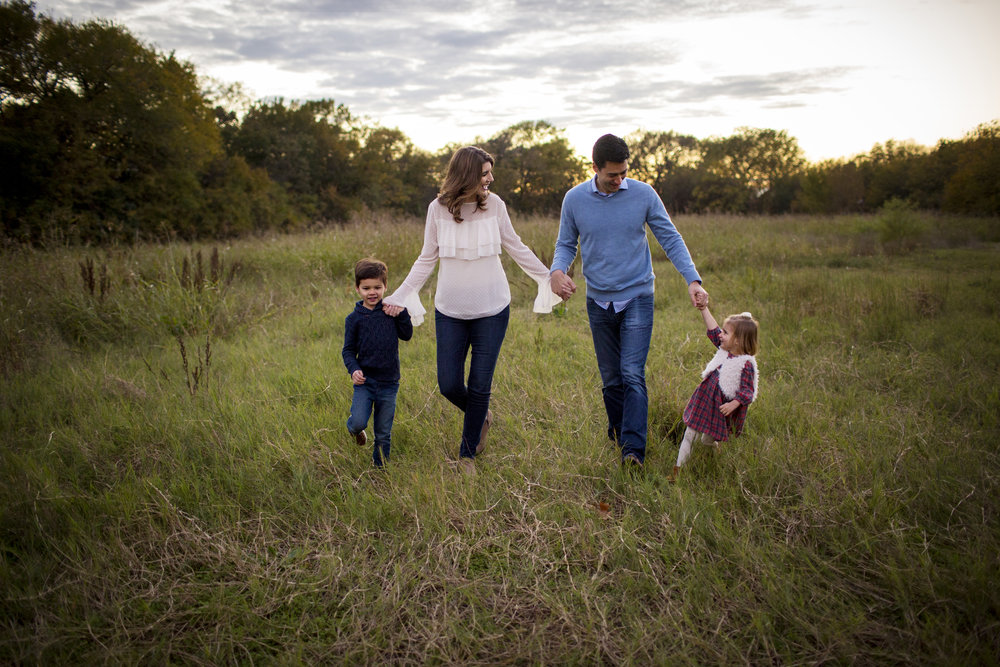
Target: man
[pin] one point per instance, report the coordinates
(607, 217)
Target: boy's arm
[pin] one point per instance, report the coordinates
(404, 325)
(350, 350)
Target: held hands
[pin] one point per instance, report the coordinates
(562, 285)
(390, 310)
(358, 377)
(699, 297)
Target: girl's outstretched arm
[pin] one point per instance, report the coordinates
(710, 322)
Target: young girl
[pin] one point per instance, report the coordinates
(718, 406)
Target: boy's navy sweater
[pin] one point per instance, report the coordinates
(371, 342)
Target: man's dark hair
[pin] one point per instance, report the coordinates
(370, 267)
(610, 148)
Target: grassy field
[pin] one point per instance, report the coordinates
(177, 485)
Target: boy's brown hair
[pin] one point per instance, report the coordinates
(369, 267)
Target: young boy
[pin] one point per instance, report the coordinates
(371, 354)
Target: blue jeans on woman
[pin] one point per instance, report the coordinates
(382, 397)
(455, 338)
(621, 342)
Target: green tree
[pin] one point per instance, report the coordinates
(667, 161)
(394, 173)
(308, 148)
(100, 136)
(889, 170)
(974, 186)
(743, 171)
(832, 186)
(239, 199)
(535, 166)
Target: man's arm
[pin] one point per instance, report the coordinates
(565, 252)
(677, 251)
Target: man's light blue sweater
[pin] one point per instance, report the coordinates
(611, 232)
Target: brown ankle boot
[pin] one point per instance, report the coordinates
(672, 477)
(485, 431)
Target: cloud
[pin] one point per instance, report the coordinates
(304, 33)
(469, 67)
(582, 56)
(789, 84)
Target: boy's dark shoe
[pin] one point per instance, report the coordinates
(361, 438)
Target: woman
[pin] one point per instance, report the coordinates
(466, 228)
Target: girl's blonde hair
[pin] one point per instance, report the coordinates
(465, 173)
(744, 332)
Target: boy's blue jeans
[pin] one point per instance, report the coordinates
(621, 342)
(382, 397)
(455, 338)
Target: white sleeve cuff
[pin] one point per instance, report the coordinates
(412, 304)
(546, 299)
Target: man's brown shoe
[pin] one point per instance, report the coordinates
(632, 464)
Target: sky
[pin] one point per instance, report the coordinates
(839, 76)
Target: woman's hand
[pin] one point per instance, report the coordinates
(562, 285)
(391, 310)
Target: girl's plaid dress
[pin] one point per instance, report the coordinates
(702, 411)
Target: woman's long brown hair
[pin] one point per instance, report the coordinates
(465, 172)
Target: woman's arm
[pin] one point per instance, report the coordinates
(516, 248)
(407, 294)
(529, 263)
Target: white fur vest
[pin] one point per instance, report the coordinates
(730, 371)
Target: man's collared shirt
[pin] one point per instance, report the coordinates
(593, 187)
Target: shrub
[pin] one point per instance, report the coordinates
(900, 227)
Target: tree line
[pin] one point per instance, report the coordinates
(103, 138)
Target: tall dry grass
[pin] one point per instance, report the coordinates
(855, 520)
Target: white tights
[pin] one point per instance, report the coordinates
(690, 435)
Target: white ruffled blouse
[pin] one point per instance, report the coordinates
(471, 282)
